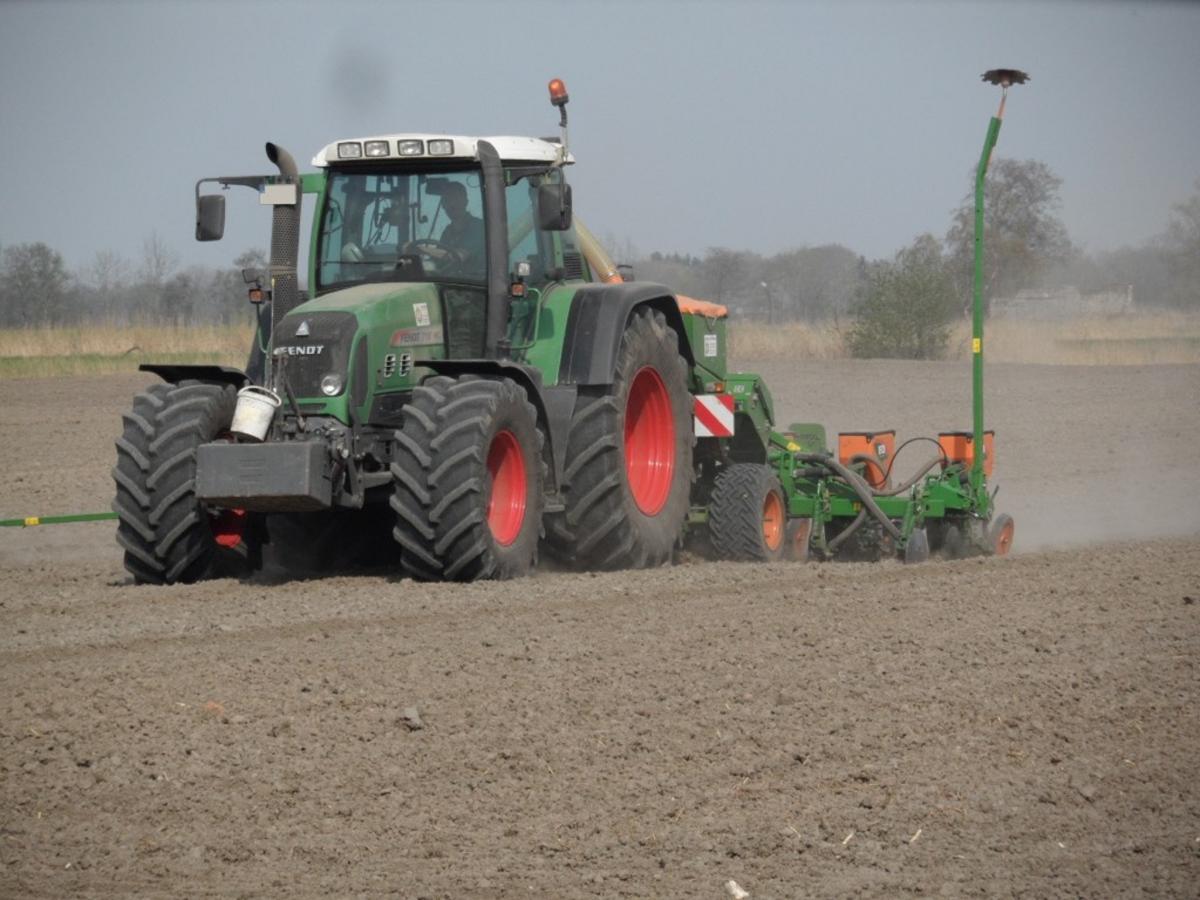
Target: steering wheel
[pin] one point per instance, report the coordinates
(423, 245)
(445, 260)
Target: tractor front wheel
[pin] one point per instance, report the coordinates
(467, 481)
(629, 457)
(167, 534)
(747, 514)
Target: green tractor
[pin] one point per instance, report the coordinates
(472, 382)
(460, 380)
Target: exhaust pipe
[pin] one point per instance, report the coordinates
(496, 248)
(282, 159)
(285, 240)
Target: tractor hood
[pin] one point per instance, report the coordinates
(355, 346)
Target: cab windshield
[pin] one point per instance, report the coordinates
(391, 226)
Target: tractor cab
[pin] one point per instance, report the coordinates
(467, 217)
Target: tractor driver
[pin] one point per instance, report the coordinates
(462, 240)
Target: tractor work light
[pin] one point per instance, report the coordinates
(331, 385)
(410, 148)
(377, 148)
(441, 148)
(350, 150)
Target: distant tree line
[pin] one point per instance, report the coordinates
(903, 307)
(899, 307)
(37, 289)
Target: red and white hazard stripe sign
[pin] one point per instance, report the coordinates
(714, 415)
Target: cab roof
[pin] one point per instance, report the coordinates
(510, 148)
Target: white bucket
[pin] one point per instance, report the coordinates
(255, 409)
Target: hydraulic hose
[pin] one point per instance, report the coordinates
(836, 542)
(31, 521)
(901, 488)
(860, 488)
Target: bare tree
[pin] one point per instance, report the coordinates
(158, 260)
(726, 274)
(814, 283)
(33, 286)
(1181, 248)
(1023, 236)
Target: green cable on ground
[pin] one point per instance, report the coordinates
(30, 521)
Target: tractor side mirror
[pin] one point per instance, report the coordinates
(210, 217)
(554, 207)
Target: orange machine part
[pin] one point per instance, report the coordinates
(692, 306)
(959, 447)
(878, 446)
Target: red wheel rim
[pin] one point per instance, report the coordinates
(772, 523)
(1004, 538)
(506, 500)
(229, 527)
(649, 441)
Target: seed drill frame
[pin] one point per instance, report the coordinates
(947, 506)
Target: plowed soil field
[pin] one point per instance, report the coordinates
(1019, 726)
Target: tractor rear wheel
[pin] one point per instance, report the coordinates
(467, 481)
(167, 534)
(747, 514)
(629, 457)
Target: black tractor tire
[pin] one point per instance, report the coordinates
(166, 533)
(468, 480)
(746, 515)
(613, 520)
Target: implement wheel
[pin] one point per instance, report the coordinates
(747, 514)
(1000, 534)
(467, 481)
(167, 534)
(629, 457)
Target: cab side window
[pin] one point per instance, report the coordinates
(525, 242)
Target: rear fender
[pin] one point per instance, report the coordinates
(173, 374)
(597, 320)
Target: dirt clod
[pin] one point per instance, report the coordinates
(411, 719)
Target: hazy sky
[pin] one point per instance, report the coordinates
(748, 125)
